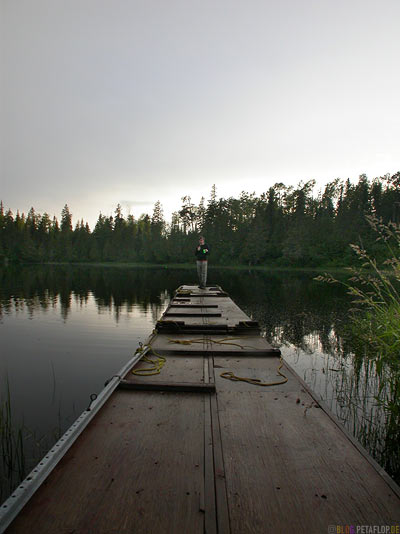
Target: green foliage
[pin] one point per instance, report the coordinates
(374, 286)
(286, 226)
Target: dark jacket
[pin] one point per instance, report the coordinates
(201, 255)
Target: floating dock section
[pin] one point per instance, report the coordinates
(195, 449)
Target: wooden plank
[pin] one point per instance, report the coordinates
(190, 313)
(200, 299)
(263, 369)
(195, 291)
(349, 436)
(184, 305)
(139, 467)
(231, 319)
(225, 304)
(223, 518)
(231, 315)
(208, 324)
(203, 295)
(178, 326)
(175, 369)
(191, 318)
(206, 370)
(212, 344)
(167, 386)
(286, 463)
(210, 366)
(210, 519)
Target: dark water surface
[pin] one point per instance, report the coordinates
(64, 330)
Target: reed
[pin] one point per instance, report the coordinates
(11, 448)
(375, 323)
(357, 389)
(21, 448)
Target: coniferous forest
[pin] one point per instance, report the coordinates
(286, 226)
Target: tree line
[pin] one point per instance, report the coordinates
(285, 226)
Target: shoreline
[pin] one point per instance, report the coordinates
(135, 265)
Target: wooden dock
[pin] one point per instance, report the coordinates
(188, 451)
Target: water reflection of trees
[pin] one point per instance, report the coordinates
(44, 287)
(291, 307)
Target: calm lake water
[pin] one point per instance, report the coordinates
(65, 330)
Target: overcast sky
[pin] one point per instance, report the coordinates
(134, 101)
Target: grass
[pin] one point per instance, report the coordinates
(12, 448)
(20, 448)
(376, 313)
(357, 388)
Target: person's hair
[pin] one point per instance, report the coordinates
(201, 236)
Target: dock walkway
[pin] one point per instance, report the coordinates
(187, 451)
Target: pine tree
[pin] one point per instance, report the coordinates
(66, 220)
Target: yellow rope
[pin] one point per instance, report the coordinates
(225, 341)
(157, 364)
(255, 381)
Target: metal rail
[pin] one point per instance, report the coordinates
(10, 508)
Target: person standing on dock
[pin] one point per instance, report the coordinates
(201, 254)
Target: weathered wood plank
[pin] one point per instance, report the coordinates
(185, 305)
(191, 314)
(139, 467)
(226, 307)
(227, 345)
(195, 289)
(178, 327)
(210, 519)
(223, 518)
(202, 295)
(286, 464)
(175, 369)
(167, 386)
(263, 369)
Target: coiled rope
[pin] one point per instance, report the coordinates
(255, 381)
(225, 341)
(156, 364)
(228, 374)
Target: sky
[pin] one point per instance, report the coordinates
(133, 101)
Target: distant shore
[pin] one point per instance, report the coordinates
(120, 265)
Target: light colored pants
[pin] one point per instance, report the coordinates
(202, 272)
